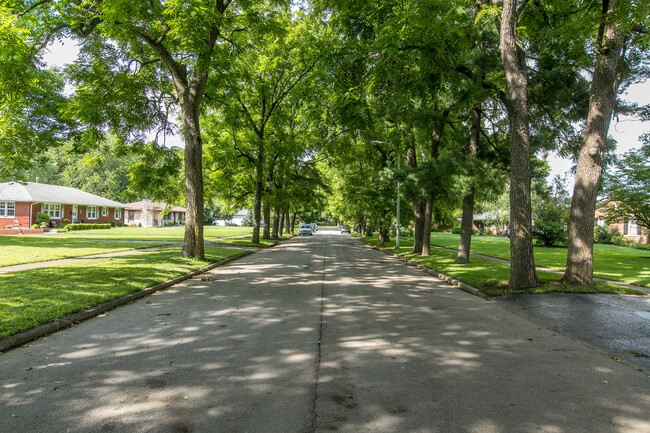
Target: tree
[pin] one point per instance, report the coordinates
(103, 170)
(157, 48)
(616, 21)
(30, 97)
(522, 260)
(467, 221)
(266, 69)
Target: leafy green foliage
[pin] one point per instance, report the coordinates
(628, 186)
(549, 225)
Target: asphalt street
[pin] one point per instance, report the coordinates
(616, 324)
(321, 333)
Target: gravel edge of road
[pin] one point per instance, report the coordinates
(455, 283)
(56, 325)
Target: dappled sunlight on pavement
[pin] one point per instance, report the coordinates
(318, 334)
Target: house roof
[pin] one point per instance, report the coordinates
(489, 216)
(242, 213)
(44, 193)
(159, 206)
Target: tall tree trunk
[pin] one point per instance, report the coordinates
(293, 222)
(436, 136)
(522, 261)
(276, 223)
(579, 264)
(418, 204)
(266, 233)
(193, 242)
(257, 206)
(467, 221)
(368, 229)
(383, 230)
(283, 215)
(426, 228)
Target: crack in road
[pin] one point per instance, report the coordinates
(314, 415)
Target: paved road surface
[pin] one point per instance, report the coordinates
(319, 334)
(618, 325)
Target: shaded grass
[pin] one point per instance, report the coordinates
(611, 262)
(34, 297)
(492, 277)
(19, 249)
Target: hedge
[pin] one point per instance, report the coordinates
(70, 227)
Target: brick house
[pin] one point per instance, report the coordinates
(21, 201)
(149, 213)
(626, 227)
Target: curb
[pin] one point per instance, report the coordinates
(458, 284)
(58, 324)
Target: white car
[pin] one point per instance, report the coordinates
(305, 229)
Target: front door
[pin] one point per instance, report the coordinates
(75, 212)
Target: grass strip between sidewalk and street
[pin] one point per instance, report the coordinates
(34, 297)
(21, 249)
(492, 277)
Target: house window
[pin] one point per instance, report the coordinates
(52, 209)
(7, 208)
(633, 228)
(117, 213)
(104, 211)
(91, 212)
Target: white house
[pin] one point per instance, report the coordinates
(236, 220)
(149, 213)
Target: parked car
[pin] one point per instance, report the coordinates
(345, 229)
(305, 229)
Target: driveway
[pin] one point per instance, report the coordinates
(318, 334)
(616, 324)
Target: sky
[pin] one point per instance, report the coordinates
(626, 131)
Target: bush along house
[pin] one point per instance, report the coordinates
(21, 202)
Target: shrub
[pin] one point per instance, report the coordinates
(603, 235)
(455, 230)
(35, 226)
(75, 227)
(42, 217)
(120, 224)
(549, 225)
(113, 224)
(44, 225)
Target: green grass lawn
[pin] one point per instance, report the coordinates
(492, 277)
(31, 298)
(611, 262)
(247, 241)
(165, 234)
(22, 249)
